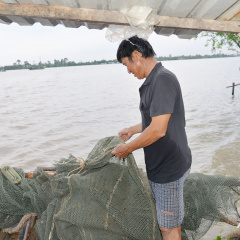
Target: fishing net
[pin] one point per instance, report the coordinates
(106, 198)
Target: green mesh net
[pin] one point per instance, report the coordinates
(106, 198)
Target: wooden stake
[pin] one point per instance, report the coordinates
(233, 87)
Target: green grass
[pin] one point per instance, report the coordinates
(219, 238)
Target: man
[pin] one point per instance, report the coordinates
(163, 137)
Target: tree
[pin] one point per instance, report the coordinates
(18, 62)
(48, 64)
(27, 64)
(40, 64)
(65, 61)
(218, 40)
(56, 63)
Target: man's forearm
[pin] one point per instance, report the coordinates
(136, 128)
(156, 130)
(147, 137)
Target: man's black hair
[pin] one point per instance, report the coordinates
(134, 43)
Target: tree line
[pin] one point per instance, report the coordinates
(56, 63)
(65, 62)
(198, 56)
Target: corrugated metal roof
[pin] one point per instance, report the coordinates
(220, 10)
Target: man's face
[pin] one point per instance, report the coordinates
(135, 66)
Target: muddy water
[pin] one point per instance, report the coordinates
(48, 114)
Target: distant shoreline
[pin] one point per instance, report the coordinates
(195, 57)
(66, 63)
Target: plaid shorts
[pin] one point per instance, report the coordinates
(169, 202)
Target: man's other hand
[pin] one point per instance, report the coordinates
(125, 134)
(121, 151)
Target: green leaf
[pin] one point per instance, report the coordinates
(219, 40)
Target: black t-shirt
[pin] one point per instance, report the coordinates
(168, 158)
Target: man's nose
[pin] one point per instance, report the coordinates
(129, 71)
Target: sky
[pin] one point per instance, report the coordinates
(41, 43)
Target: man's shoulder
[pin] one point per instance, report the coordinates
(164, 72)
(165, 75)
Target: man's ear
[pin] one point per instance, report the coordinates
(136, 55)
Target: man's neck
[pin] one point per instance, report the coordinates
(149, 64)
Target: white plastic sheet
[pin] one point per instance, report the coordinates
(141, 22)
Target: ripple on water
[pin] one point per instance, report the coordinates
(49, 114)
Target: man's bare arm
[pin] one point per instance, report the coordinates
(156, 130)
(127, 133)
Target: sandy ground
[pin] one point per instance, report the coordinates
(222, 229)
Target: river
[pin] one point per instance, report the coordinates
(48, 114)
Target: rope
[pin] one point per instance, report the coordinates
(20, 224)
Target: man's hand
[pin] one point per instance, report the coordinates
(125, 134)
(121, 151)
